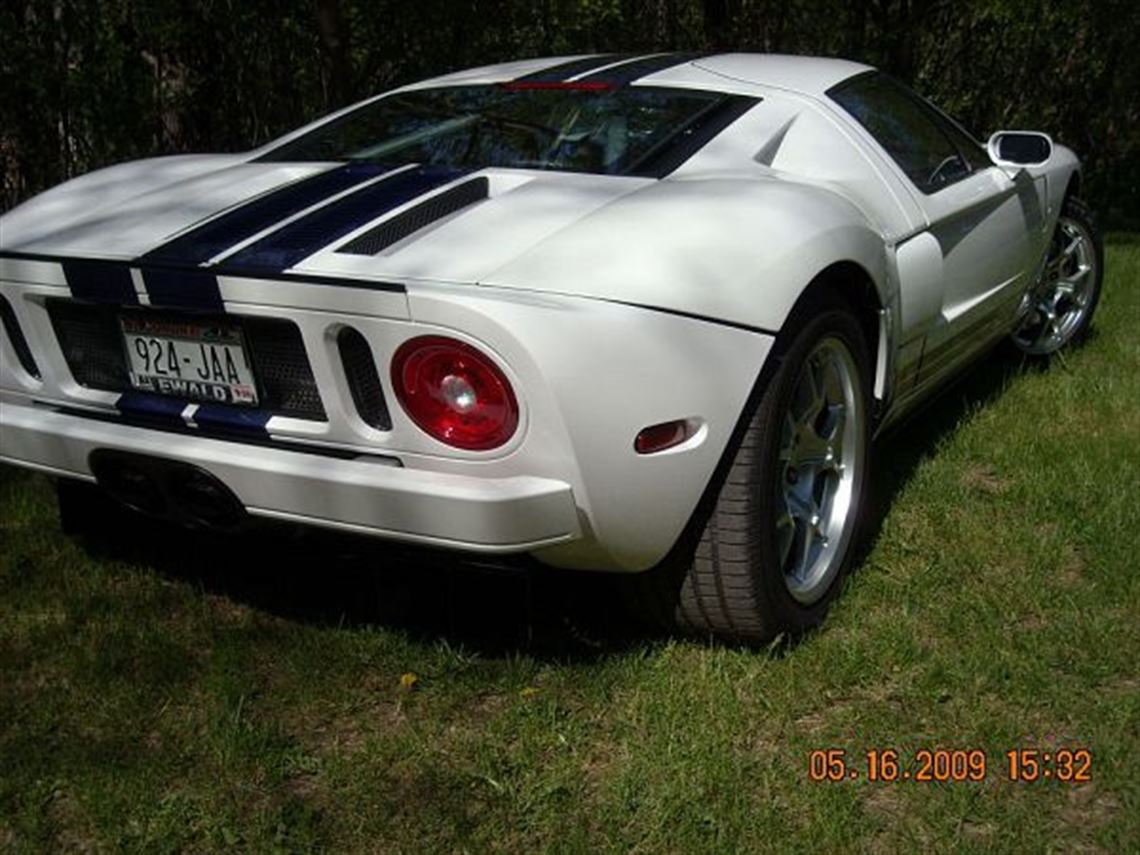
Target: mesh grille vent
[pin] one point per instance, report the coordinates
(91, 344)
(282, 368)
(16, 336)
(418, 217)
(363, 379)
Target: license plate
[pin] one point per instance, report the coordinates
(199, 360)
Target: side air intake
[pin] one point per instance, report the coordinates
(417, 217)
(363, 379)
(16, 336)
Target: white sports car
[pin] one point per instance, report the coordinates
(639, 314)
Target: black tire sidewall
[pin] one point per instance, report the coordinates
(1076, 209)
(826, 317)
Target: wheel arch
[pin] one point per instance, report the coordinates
(852, 282)
(844, 282)
(1073, 188)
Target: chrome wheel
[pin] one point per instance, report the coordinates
(821, 451)
(1062, 298)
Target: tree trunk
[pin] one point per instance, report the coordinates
(716, 22)
(334, 52)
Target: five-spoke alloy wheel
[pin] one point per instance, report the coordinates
(1062, 302)
(820, 451)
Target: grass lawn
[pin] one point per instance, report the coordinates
(165, 692)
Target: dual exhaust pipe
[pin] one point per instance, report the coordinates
(168, 489)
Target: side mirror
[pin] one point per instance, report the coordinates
(1017, 149)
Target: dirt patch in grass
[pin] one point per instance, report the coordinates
(1071, 564)
(490, 705)
(978, 832)
(305, 786)
(600, 764)
(813, 722)
(1033, 622)
(883, 802)
(1088, 808)
(341, 734)
(74, 831)
(340, 729)
(1122, 686)
(985, 479)
(226, 611)
(1072, 567)
(887, 807)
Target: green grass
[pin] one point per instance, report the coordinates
(207, 694)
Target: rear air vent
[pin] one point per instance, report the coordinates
(16, 336)
(417, 217)
(363, 379)
(92, 344)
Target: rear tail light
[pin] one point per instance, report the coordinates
(454, 393)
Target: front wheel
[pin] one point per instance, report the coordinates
(782, 529)
(1062, 303)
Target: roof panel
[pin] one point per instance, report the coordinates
(808, 74)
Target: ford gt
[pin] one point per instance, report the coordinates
(635, 314)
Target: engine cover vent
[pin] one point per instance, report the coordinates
(417, 217)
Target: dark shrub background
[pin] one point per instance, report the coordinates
(85, 83)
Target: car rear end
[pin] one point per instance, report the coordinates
(324, 427)
(308, 334)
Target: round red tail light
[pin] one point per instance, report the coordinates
(454, 393)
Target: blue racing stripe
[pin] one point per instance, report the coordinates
(626, 73)
(100, 281)
(221, 417)
(293, 243)
(217, 235)
(183, 289)
(563, 70)
(151, 407)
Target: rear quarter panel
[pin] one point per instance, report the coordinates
(740, 250)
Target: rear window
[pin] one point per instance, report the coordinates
(606, 131)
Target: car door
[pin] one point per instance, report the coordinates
(970, 261)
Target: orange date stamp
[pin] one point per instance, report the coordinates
(945, 765)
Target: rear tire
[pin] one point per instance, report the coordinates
(768, 556)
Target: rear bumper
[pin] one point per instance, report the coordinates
(367, 494)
